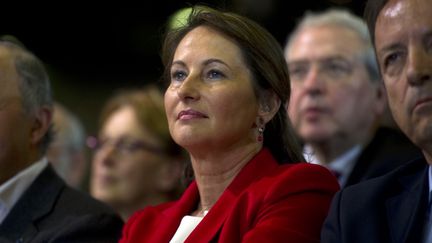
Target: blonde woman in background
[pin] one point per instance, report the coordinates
(136, 163)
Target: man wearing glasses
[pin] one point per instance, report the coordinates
(338, 98)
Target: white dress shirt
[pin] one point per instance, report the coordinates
(344, 164)
(14, 188)
(187, 225)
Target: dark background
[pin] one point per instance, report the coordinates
(90, 52)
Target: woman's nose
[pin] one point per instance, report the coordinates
(106, 155)
(189, 88)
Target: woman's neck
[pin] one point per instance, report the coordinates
(215, 171)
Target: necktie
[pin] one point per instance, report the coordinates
(336, 173)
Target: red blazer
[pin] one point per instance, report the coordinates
(266, 202)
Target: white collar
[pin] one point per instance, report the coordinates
(430, 182)
(344, 164)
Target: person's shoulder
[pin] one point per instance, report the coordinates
(292, 178)
(80, 206)
(305, 171)
(395, 140)
(81, 202)
(146, 218)
(50, 192)
(63, 214)
(383, 185)
(151, 210)
(311, 173)
(76, 217)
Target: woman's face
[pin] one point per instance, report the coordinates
(210, 102)
(124, 170)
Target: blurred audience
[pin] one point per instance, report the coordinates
(36, 205)
(67, 151)
(338, 98)
(136, 162)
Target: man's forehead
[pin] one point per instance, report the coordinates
(392, 9)
(7, 57)
(8, 74)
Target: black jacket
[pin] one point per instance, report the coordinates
(387, 150)
(390, 208)
(51, 211)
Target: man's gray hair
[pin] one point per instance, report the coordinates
(34, 83)
(344, 19)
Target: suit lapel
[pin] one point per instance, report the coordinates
(36, 202)
(169, 219)
(406, 210)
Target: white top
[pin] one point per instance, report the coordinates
(12, 189)
(344, 164)
(187, 225)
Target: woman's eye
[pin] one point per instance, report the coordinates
(215, 74)
(178, 75)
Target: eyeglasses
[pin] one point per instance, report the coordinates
(334, 68)
(123, 145)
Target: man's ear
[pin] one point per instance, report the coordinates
(269, 104)
(42, 122)
(381, 99)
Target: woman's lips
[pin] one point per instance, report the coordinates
(190, 114)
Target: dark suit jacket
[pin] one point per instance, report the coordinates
(266, 202)
(391, 208)
(387, 150)
(51, 211)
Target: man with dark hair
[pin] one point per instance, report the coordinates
(397, 206)
(35, 204)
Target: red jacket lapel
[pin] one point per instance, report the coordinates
(209, 227)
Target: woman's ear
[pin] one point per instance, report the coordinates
(269, 104)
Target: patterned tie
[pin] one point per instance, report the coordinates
(336, 173)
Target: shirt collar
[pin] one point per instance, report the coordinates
(343, 164)
(430, 182)
(12, 189)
